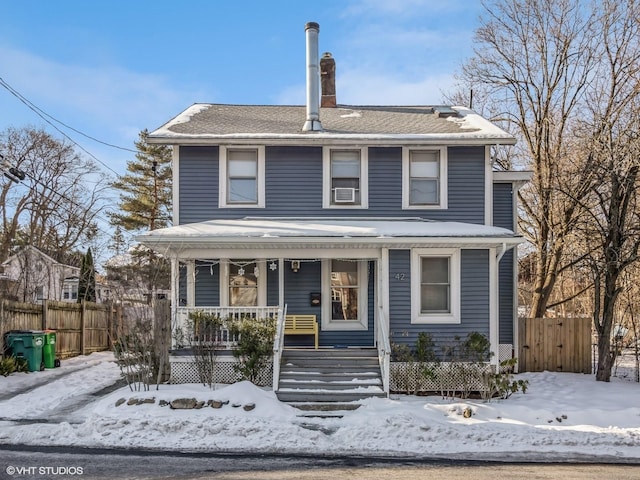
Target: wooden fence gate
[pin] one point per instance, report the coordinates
(554, 344)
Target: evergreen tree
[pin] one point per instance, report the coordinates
(145, 201)
(145, 204)
(87, 280)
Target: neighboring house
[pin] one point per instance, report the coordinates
(382, 221)
(128, 285)
(32, 276)
(104, 291)
(35, 276)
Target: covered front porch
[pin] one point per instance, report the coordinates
(338, 270)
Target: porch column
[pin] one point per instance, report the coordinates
(383, 288)
(175, 293)
(281, 282)
(494, 324)
(191, 283)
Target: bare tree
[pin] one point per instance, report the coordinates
(535, 61)
(55, 207)
(612, 229)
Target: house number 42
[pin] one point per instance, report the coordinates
(399, 276)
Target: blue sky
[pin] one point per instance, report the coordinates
(113, 68)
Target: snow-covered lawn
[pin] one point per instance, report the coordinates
(562, 415)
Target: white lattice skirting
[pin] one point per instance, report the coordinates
(184, 369)
(410, 377)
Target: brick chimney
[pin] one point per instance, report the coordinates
(328, 80)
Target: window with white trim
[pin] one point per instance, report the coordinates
(424, 178)
(242, 283)
(345, 178)
(345, 287)
(70, 289)
(435, 286)
(241, 177)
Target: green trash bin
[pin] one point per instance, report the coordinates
(27, 344)
(49, 349)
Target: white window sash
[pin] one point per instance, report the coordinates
(224, 177)
(453, 316)
(442, 179)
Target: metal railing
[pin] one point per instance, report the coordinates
(219, 337)
(384, 348)
(278, 346)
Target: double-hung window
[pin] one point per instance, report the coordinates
(435, 280)
(241, 177)
(424, 178)
(345, 178)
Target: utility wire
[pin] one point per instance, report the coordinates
(45, 116)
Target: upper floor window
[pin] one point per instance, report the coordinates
(241, 177)
(435, 280)
(345, 178)
(424, 178)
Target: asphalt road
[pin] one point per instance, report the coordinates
(18, 462)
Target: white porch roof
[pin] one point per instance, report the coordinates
(324, 233)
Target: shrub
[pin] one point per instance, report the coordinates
(255, 345)
(9, 365)
(502, 384)
(206, 328)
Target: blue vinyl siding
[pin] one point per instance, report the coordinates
(297, 287)
(207, 285)
(273, 295)
(503, 216)
(474, 300)
(293, 182)
(385, 182)
(293, 185)
(198, 195)
(466, 186)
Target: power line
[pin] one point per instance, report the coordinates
(45, 116)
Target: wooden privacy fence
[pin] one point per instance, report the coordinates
(554, 344)
(81, 328)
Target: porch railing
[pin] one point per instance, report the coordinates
(220, 337)
(384, 348)
(278, 346)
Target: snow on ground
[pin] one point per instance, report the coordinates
(562, 415)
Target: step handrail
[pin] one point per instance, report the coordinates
(384, 349)
(278, 346)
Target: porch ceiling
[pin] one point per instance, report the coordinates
(324, 233)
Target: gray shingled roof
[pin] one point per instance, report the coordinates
(263, 121)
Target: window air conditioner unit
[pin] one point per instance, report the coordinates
(344, 195)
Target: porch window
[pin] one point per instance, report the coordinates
(346, 291)
(345, 178)
(243, 285)
(435, 280)
(241, 177)
(424, 175)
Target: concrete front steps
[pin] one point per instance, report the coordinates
(329, 382)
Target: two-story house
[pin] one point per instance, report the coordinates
(382, 221)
